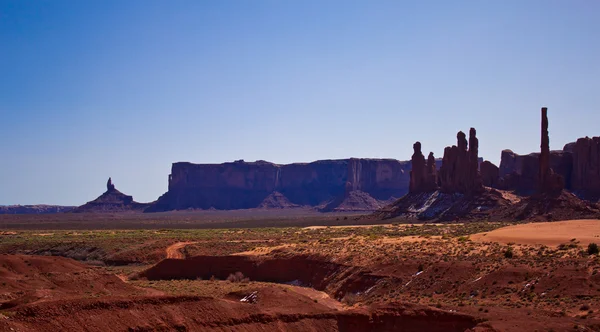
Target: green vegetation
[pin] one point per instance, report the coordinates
(508, 253)
(148, 245)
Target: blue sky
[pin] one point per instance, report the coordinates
(92, 89)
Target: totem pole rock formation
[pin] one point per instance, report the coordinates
(549, 181)
(460, 166)
(109, 185)
(423, 173)
(417, 173)
(474, 182)
(432, 172)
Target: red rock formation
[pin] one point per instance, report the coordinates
(109, 185)
(474, 181)
(459, 172)
(417, 173)
(548, 180)
(489, 174)
(521, 172)
(111, 200)
(585, 177)
(423, 176)
(243, 185)
(432, 172)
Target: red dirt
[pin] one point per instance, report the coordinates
(275, 309)
(27, 279)
(174, 250)
(457, 279)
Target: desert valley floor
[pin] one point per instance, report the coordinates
(234, 271)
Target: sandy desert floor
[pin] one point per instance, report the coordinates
(545, 233)
(389, 277)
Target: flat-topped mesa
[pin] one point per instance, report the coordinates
(549, 181)
(460, 166)
(245, 185)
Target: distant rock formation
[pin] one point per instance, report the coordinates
(34, 209)
(585, 177)
(111, 200)
(460, 166)
(432, 180)
(423, 175)
(109, 185)
(461, 193)
(276, 201)
(576, 167)
(521, 172)
(320, 184)
(490, 174)
(549, 181)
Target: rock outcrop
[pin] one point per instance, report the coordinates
(460, 166)
(544, 171)
(276, 201)
(111, 200)
(34, 209)
(423, 175)
(109, 185)
(521, 172)
(490, 174)
(585, 177)
(245, 185)
(461, 194)
(549, 181)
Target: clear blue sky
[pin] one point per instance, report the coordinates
(92, 89)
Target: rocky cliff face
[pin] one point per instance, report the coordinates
(585, 177)
(576, 167)
(490, 174)
(521, 172)
(243, 185)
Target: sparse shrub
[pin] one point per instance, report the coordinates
(593, 249)
(463, 239)
(508, 253)
(237, 277)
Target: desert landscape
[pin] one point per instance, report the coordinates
(301, 166)
(462, 249)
